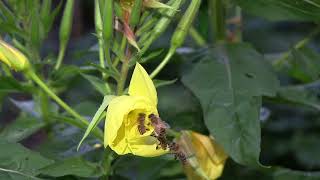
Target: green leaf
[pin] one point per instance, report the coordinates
(15, 157)
(229, 83)
(159, 83)
(305, 94)
(99, 85)
(9, 84)
(300, 10)
(96, 118)
(304, 65)
(73, 166)
(287, 174)
(21, 128)
(178, 107)
(306, 149)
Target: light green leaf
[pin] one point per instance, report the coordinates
(96, 118)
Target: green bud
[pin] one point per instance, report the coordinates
(13, 57)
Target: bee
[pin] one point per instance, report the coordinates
(178, 154)
(159, 125)
(141, 127)
(162, 140)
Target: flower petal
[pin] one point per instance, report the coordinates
(142, 85)
(146, 147)
(116, 134)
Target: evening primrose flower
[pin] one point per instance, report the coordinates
(13, 57)
(129, 127)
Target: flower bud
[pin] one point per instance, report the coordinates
(205, 158)
(155, 4)
(13, 57)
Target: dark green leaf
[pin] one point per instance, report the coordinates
(229, 82)
(15, 157)
(73, 166)
(304, 65)
(301, 10)
(303, 94)
(180, 108)
(287, 174)
(21, 128)
(99, 85)
(96, 118)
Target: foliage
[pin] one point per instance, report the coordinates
(240, 73)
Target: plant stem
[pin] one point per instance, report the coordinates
(282, 60)
(60, 57)
(37, 80)
(197, 36)
(123, 76)
(218, 24)
(163, 63)
(122, 48)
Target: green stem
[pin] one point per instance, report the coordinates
(217, 20)
(163, 63)
(122, 49)
(60, 57)
(282, 60)
(123, 76)
(46, 89)
(197, 36)
(44, 102)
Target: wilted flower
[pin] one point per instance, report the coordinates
(205, 158)
(129, 127)
(13, 57)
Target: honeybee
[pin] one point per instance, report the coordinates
(141, 127)
(159, 125)
(162, 140)
(175, 149)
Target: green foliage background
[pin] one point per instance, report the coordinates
(259, 96)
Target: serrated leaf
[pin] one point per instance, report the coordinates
(76, 166)
(96, 118)
(229, 82)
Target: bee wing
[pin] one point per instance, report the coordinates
(164, 125)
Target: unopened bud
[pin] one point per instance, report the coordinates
(156, 4)
(13, 57)
(205, 157)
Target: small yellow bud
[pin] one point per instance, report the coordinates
(13, 57)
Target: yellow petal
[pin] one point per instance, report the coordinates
(13, 57)
(146, 147)
(117, 134)
(142, 85)
(208, 157)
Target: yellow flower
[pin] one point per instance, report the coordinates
(122, 120)
(206, 158)
(13, 57)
